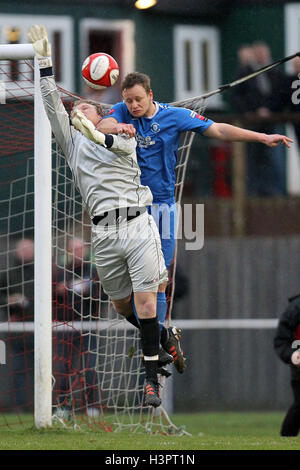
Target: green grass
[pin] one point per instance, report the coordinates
(209, 431)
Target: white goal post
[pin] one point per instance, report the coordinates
(42, 243)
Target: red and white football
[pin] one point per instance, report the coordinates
(100, 71)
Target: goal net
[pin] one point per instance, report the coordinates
(97, 375)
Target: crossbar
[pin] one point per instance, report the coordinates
(16, 51)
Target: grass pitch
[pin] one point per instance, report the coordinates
(209, 431)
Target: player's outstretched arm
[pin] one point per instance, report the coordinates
(111, 126)
(230, 133)
(276, 139)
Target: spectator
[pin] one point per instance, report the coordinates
(17, 299)
(286, 341)
(242, 95)
(17, 288)
(75, 286)
(258, 98)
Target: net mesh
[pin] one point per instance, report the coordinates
(98, 378)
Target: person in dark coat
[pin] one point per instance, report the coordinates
(286, 344)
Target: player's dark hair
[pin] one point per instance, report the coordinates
(94, 103)
(136, 78)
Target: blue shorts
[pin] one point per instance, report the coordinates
(165, 216)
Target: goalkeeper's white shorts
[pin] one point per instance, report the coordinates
(128, 257)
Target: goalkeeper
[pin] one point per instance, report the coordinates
(125, 238)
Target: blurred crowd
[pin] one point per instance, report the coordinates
(75, 297)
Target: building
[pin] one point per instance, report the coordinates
(188, 48)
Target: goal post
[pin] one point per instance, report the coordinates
(42, 243)
(43, 259)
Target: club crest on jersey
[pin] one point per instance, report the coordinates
(155, 127)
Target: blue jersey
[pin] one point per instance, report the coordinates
(157, 143)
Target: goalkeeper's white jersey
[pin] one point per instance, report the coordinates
(106, 179)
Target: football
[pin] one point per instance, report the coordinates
(100, 71)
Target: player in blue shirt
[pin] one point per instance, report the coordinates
(157, 143)
(157, 128)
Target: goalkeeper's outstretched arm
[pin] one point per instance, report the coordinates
(58, 116)
(55, 110)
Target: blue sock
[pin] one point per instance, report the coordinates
(161, 308)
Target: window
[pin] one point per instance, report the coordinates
(14, 29)
(196, 59)
(112, 37)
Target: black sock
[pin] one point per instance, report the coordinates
(150, 345)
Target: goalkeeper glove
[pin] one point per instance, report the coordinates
(38, 37)
(87, 128)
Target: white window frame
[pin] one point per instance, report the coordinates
(126, 27)
(292, 28)
(292, 45)
(197, 35)
(63, 24)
